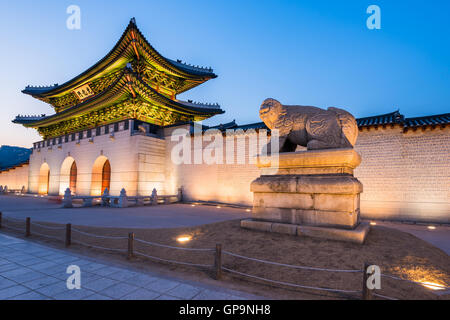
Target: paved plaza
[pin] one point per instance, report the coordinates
(161, 216)
(30, 271)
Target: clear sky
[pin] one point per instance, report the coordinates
(310, 52)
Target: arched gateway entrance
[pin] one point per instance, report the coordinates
(68, 176)
(101, 176)
(44, 178)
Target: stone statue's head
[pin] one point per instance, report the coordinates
(270, 111)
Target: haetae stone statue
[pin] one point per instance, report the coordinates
(310, 127)
(314, 192)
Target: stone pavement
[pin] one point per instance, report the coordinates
(30, 271)
(162, 216)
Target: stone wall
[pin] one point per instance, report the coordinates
(227, 183)
(15, 178)
(406, 176)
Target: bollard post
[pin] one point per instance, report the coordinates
(0, 219)
(68, 234)
(218, 262)
(28, 227)
(366, 293)
(130, 245)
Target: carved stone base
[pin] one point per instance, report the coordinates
(310, 189)
(357, 235)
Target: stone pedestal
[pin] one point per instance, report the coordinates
(313, 193)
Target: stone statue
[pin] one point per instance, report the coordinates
(310, 127)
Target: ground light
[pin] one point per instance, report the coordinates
(248, 210)
(183, 239)
(431, 227)
(373, 223)
(218, 207)
(433, 285)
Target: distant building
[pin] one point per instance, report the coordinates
(113, 123)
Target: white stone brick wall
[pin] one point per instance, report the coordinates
(15, 178)
(406, 176)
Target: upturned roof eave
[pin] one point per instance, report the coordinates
(107, 60)
(115, 90)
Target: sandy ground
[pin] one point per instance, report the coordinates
(396, 253)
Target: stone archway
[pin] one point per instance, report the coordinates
(44, 179)
(101, 176)
(68, 176)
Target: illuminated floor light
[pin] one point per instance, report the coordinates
(431, 227)
(218, 207)
(192, 205)
(248, 210)
(183, 239)
(433, 286)
(372, 223)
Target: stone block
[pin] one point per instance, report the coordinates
(327, 161)
(357, 235)
(271, 184)
(334, 202)
(329, 184)
(284, 200)
(342, 219)
(273, 214)
(283, 228)
(257, 225)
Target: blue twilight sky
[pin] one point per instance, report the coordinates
(311, 52)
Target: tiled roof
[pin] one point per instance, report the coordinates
(435, 120)
(383, 119)
(233, 125)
